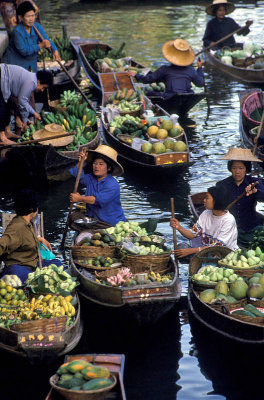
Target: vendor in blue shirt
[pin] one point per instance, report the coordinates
(220, 26)
(24, 42)
(244, 211)
(179, 74)
(102, 194)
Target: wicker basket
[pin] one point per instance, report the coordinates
(91, 267)
(245, 272)
(256, 303)
(54, 106)
(251, 320)
(93, 251)
(156, 263)
(98, 394)
(113, 271)
(134, 113)
(52, 325)
(229, 306)
(209, 254)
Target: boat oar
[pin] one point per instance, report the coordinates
(66, 72)
(7, 146)
(221, 40)
(174, 229)
(80, 169)
(240, 196)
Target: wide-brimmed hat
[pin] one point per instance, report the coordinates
(110, 155)
(239, 154)
(53, 130)
(229, 6)
(178, 52)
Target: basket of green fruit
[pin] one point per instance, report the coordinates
(209, 275)
(98, 263)
(129, 108)
(244, 262)
(100, 244)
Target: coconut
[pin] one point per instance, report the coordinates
(169, 143)
(158, 148)
(146, 147)
(167, 124)
(179, 146)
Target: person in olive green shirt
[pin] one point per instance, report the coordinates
(19, 243)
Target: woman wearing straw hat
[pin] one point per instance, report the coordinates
(179, 75)
(244, 211)
(102, 194)
(220, 25)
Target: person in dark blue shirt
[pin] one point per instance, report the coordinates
(102, 194)
(221, 26)
(244, 211)
(24, 42)
(179, 74)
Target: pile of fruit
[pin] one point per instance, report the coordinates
(51, 279)
(244, 259)
(129, 125)
(124, 277)
(68, 97)
(125, 94)
(10, 295)
(151, 278)
(99, 261)
(81, 375)
(98, 53)
(222, 293)
(101, 239)
(256, 286)
(258, 239)
(64, 47)
(144, 250)
(210, 275)
(12, 280)
(127, 106)
(125, 229)
(155, 87)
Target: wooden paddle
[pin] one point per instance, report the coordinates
(174, 229)
(36, 140)
(66, 72)
(221, 40)
(80, 169)
(240, 196)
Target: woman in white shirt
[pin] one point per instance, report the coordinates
(215, 226)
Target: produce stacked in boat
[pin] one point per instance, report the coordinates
(77, 118)
(240, 259)
(64, 47)
(250, 57)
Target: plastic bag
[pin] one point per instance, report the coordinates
(46, 254)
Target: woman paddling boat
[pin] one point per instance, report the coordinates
(102, 194)
(244, 211)
(215, 226)
(221, 26)
(177, 76)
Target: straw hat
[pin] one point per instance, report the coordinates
(239, 155)
(53, 130)
(229, 6)
(178, 52)
(110, 155)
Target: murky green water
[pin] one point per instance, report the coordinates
(185, 365)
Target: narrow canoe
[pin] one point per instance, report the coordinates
(146, 303)
(242, 74)
(28, 345)
(180, 103)
(114, 362)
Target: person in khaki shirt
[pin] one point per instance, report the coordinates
(19, 243)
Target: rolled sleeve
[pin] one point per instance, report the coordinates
(198, 77)
(23, 100)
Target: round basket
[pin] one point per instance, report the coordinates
(81, 263)
(93, 251)
(256, 303)
(229, 306)
(251, 320)
(209, 254)
(156, 263)
(245, 272)
(55, 106)
(98, 394)
(134, 113)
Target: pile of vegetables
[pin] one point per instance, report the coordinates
(244, 258)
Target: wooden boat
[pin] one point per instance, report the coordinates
(242, 74)
(114, 362)
(180, 103)
(83, 49)
(131, 158)
(145, 303)
(250, 104)
(45, 348)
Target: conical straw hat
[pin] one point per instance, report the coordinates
(178, 52)
(110, 155)
(229, 6)
(53, 130)
(239, 155)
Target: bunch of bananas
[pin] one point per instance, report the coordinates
(68, 97)
(156, 277)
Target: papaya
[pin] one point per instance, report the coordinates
(63, 369)
(77, 365)
(78, 375)
(97, 384)
(93, 372)
(66, 384)
(76, 388)
(64, 377)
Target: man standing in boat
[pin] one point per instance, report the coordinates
(221, 26)
(179, 74)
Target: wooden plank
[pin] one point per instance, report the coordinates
(171, 158)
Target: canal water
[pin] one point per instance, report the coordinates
(176, 358)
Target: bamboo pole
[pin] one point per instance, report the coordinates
(174, 229)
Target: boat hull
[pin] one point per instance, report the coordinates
(180, 104)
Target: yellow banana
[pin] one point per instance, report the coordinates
(84, 119)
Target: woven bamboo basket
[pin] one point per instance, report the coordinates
(51, 325)
(229, 306)
(68, 394)
(156, 263)
(93, 251)
(245, 272)
(81, 263)
(134, 113)
(209, 254)
(256, 303)
(54, 106)
(251, 320)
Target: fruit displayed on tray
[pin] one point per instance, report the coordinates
(222, 293)
(244, 258)
(126, 106)
(211, 275)
(51, 279)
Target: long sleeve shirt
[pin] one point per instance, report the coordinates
(244, 210)
(19, 243)
(177, 79)
(216, 29)
(107, 206)
(24, 47)
(16, 81)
